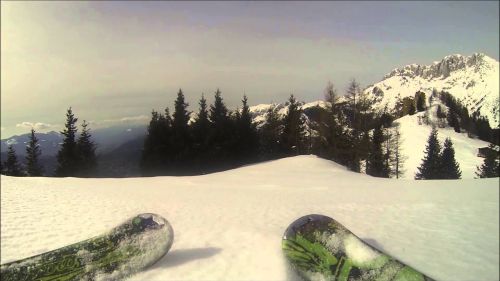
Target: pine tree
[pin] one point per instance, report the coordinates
(292, 138)
(270, 134)
(181, 115)
(86, 150)
(218, 111)
(68, 157)
(33, 152)
(150, 156)
(221, 137)
(431, 164)
(376, 165)
(453, 121)
(180, 129)
(420, 101)
(411, 109)
(491, 164)
(247, 142)
(398, 107)
(408, 106)
(201, 128)
(449, 166)
(12, 167)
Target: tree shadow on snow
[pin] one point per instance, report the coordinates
(181, 256)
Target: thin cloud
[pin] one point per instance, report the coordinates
(36, 126)
(139, 119)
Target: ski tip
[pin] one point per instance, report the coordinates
(147, 222)
(150, 220)
(302, 221)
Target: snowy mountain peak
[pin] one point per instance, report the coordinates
(473, 80)
(444, 68)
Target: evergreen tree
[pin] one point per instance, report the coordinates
(491, 164)
(431, 164)
(33, 152)
(453, 121)
(247, 138)
(385, 118)
(420, 101)
(181, 115)
(156, 153)
(68, 157)
(12, 167)
(180, 129)
(292, 138)
(270, 134)
(398, 107)
(449, 166)
(411, 109)
(221, 137)
(201, 127)
(86, 150)
(376, 165)
(408, 106)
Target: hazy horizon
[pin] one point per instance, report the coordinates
(114, 62)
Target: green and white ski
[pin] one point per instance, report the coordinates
(320, 248)
(128, 248)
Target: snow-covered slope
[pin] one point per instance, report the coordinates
(414, 139)
(228, 225)
(474, 80)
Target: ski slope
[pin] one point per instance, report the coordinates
(228, 225)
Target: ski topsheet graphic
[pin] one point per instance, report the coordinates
(128, 248)
(320, 248)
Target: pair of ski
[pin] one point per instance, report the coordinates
(317, 247)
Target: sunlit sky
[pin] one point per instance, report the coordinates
(113, 62)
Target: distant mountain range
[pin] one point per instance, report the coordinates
(110, 146)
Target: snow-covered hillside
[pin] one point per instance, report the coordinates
(474, 80)
(259, 111)
(228, 225)
(414, 139)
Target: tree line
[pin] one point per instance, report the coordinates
(458, 117)
(76, 156)
(348, 131)
(351, 133)
(217, 138)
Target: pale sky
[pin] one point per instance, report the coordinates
(114, 62)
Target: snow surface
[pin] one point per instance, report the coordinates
(229, 225)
